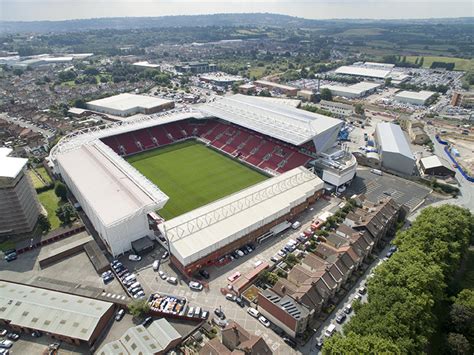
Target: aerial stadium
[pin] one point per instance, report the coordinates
(207, 181)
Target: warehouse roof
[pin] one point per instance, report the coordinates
(10, 167)
(433, 162)
(114, 189)
(50, 311)
(123, 102)
(363, 71)
(202, 231)
(156, 338)
(280, 121)
(357, 89)
(274, 85)
(421, 95)
(392, 139)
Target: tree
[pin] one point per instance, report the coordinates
(359, 109)
(458, 344)
(357, 344)
(388, 81)
(66, 213)
(461, 318)
(326, 94)
(138, 308)
(44, 223)
(61, 191)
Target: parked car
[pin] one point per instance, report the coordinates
(190, 312)
(244, 250)
(6, 344)
(11, 257)
(282, 253)
(319, 343)
(119, 315)
(249, 248)
(230, 297)
(389, 255)
(220, 322)
(219, 313)
(36, 334)
(253, 312)
(290, 342)
(264, 321)
(362, 290)
(162, 275)
(393, 248)
(240, 302)
(147, 321)
(358, 297)
(172, 280)
(133, 257)
(235, 255)
(196, 286)
(3, 332)
(204, 274)
(276, 258)
(341, 317)
(329, 330)
(296, 225)
(165, 255)
(204, 315)
(234, 276)
(156, 265)
(239, 252)
(348, 309)
(108, 279)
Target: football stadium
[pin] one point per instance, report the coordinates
(206, 182)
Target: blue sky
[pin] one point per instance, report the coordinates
(317, 9)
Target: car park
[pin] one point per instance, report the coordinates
(264, 321)
(218, 312)
(341, 317)
(119, 315)
(133, 257)
(347, 309)
(172, 280)
(204, 274)
(196, 286)
(253, 312)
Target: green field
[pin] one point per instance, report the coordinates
(50, 202)
(459, 63)
(37, 183)
(193, 175)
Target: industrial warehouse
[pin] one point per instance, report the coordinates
(271, 137)
(353, 91)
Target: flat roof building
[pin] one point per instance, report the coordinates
(146, 65)
(284, 89)
(19, 206)
(353, 91)
(67, 317)
(394, 149)
(157, 338)
(413, 97)
(129, 104)
(220, 79)
(354, 70)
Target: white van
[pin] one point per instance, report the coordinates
(156, 265)
(330, 330)
(296, 225)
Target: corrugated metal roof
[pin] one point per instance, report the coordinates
(50, 311)
(391, 139)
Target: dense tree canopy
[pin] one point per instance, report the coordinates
(406, 288)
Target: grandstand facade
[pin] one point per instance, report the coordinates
(276, 139)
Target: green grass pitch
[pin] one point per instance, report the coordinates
(192, 175)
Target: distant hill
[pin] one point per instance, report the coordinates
(253, 19)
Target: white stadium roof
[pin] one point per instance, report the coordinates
(123, 102)
(10, 167)
(393, 140)
(202, 231)
(363, 71)
(283, 122)
(112, 187)
(51, 311)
